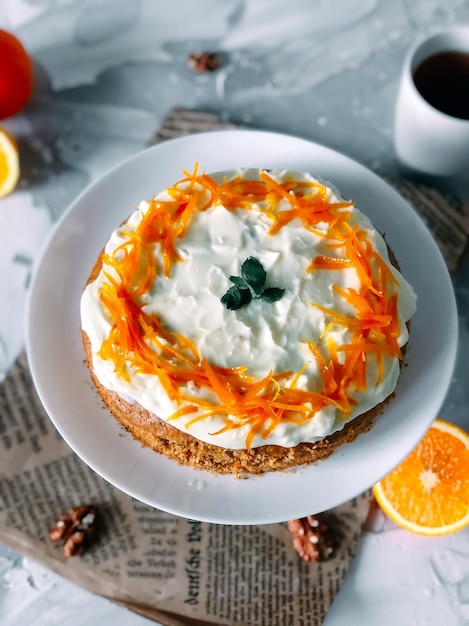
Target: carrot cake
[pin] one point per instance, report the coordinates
(246, 321)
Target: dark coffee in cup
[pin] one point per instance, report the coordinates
(443, 80)
(431, 122)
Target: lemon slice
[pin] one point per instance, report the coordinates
(9, 163)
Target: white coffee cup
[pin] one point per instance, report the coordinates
(426, 139)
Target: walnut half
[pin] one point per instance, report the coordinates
(203, 62)
(76, 528)
(312, 538)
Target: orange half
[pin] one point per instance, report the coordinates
(428, 493)
(9, 163)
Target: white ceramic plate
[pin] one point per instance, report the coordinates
(56, 353)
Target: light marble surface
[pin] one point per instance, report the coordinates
(107, 73)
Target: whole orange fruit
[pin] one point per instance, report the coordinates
(16, 75)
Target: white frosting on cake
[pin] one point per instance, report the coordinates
(262, 336)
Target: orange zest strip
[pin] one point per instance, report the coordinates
(183, 410)
(328, 263)
(330, 383)
(297, 376)
(140, 343)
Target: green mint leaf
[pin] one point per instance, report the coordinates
(249, 285)
(235, 298)
(272, 294)
(239, 282)
(254, 274)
